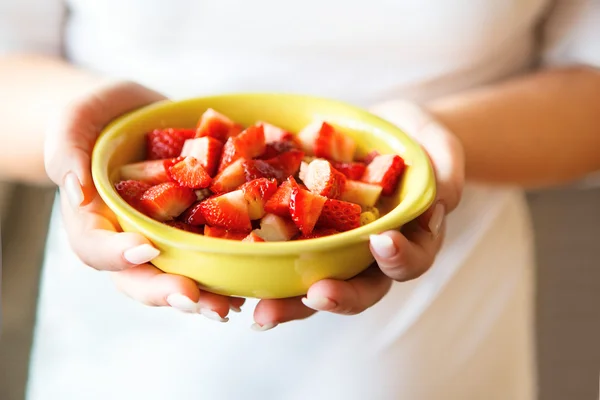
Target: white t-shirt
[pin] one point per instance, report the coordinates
(463, 331)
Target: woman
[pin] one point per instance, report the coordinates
(501, 82)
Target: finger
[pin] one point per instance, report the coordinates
(148, 285)
(70, 140)
(271, 312)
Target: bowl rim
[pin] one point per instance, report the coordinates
(177, 238)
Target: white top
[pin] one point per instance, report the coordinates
(462, 331)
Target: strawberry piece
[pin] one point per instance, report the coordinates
(321, 178)
(370, 157)
(207, 150)
(193, 215)
(280, 167)
(305, 209)
(352, 170)
(253, 237)
(256, 193)
(230, 178)
(276, 148)
(385, 171)
(274, 133)
(216, 125)
(248, 144)
(364, 194)
(317, 233)
(166, 201)
(323, 140)
(131, 191)
(340, 215)
(185, 227)
(274, 228)
(152, 172)
(166, 143)
(279, 203)
(190, 173)
(229, 211)
(222, 233)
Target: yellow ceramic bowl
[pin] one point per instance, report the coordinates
(262, 270)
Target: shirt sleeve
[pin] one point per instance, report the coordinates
(31, 26)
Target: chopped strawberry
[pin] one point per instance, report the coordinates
(364, 194)
(193, 215)
(166, 143)
(323, 140)
(228, 210)
(280, 167)
(152, 172)
(352, 170)
(230, 178)
(185, 227)
(274, 228)
(276, 148)
(321, 178)
(256, 193)
(166, 201)
(248, 144)
(216, 125)
(317, 233)
(370, 156)
(207, 150)
(190, 173)
(305, 209)
(274, 133)
(385, 171)
(131, 191)
(222, 233)
(340, 215)
(279, 203)
(253, 237)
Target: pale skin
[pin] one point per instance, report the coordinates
(505, 133)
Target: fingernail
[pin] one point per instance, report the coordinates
(73, 190)
(437, 217)
(319, 303)
(235, 308)
(210, 314)
(261, 328)
(182, 303)
(383, 246)
(141, 254)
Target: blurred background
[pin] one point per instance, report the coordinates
(567, 224)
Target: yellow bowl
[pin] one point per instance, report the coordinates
(262, 270)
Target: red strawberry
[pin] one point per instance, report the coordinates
(305, 209)
(190, 173)
(340, 215)
(253, 237)
(370, 156)
(216, 125)
(274, 133)
(276, 148)
(185, 227)
(248, 144)
(256, 193)
(321, 178)
(229, 211)
(323, 140)
(230, 178)
(207, 150)
(280, 167)
(352, 170)
(193, 215)
(132, 191)
(279, 203)
(385, 171)
(166, 143)
(222, 233)
(166, 201)
(364, 194)
(152, 172)
(274, 228)
(317, 233)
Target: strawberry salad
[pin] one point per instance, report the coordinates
(259, 183)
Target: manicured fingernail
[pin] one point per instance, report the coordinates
(383, 246)
(319, 303)
(141, 254)
(182, 303)
(437, 218)
(235, 308)
(73, 189)
(261, 328)
(210, 314)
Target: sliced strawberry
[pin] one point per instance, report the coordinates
(364, 194)
(280, 167)
(222, 233)
(152, 172)
(248, 144)
(256, 193)
(276, 148)
(385, 171)
(253, 237)
(279, 203)
(230, 178)
(190, 173)
(352, 170)
(321, 178)
(207, 150)
(166, 143)
(317, 233)
(370, 157)
(185, 227)
(229, 211)
(274, 133)
(305, 209)
(323, 140)
(166, 201)
(216, 125)
(193, 215)
(132, 191)
(340, 215)
(274, 228)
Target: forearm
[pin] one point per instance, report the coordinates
(32, 90)
(539, 130)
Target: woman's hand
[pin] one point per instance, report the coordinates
(400, 255)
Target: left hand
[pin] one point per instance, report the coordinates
(399, 255)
